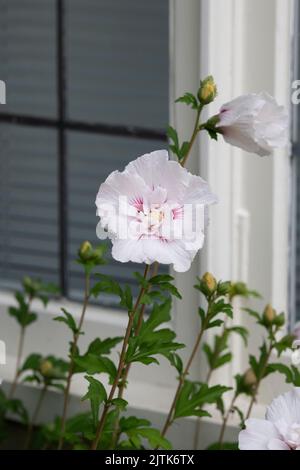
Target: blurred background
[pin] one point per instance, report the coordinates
(87, 91)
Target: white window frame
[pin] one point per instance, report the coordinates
(207, 37)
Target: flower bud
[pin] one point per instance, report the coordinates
(85, 250)
(207, 91)
(46, 367)
(209, 281)
(269, 314)
(224, 288)
(249, 378)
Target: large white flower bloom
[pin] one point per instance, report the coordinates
(281, 428)
(255, 123)
(154, 210)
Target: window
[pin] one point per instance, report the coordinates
(87, 91)
(295, 213)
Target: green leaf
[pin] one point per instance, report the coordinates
(106, 285)
(97, 395)
(16, 407)
(119, 403)
(184, 149)
(240, 330)
(161, 278)
(154, 438)
(68, 320)
(282, 369)
(220, 306)
(193, 396)
(202, 314)
(252, 313)
(189, 99)
(214, 324)
(213, 134)
(126, 299)
(22, 313)
(168, 287)
(284, 344)
(32, 362)
(173, 136)
(105, 346)
(176, 361)
(224, 446)
(138, 429)
(93, 364)
(223, 360)
(151, 297)
(152, 341)
(141, 280)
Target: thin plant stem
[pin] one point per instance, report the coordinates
(19, 354)
(126, 371)
(121, 365)
(225, 420)
(196, 129)
(72, 364)
(18, 363)
(35, 416)
(124, 377)
(185, 372)
(259, 379)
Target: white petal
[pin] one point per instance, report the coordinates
(257, 434)
(277, 444)
(148, 166)
(128, 250)
(285, 407)
(169, 252)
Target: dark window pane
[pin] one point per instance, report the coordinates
(28, 56)
(28, 204)
(91, 159)
(117, 65)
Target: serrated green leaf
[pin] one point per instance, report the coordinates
(93, 364)
(119, 403)
(96, 395)
(282, 369)
(173, 136)
(68, 320)
(105, 346)
(189, 99)
(193, 396)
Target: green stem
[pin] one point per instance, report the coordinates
(107, 406)
(72, 364)
(225, 420)
(19, 354)
(18, 363)
(169, 419)
(259, 379)
(193, 136)
(35, 416)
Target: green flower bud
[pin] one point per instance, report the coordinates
(209, 282)
(46, 368)
(269, 314)
(85, 250)
(249, 378)
(224, 288)
(207, 91)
